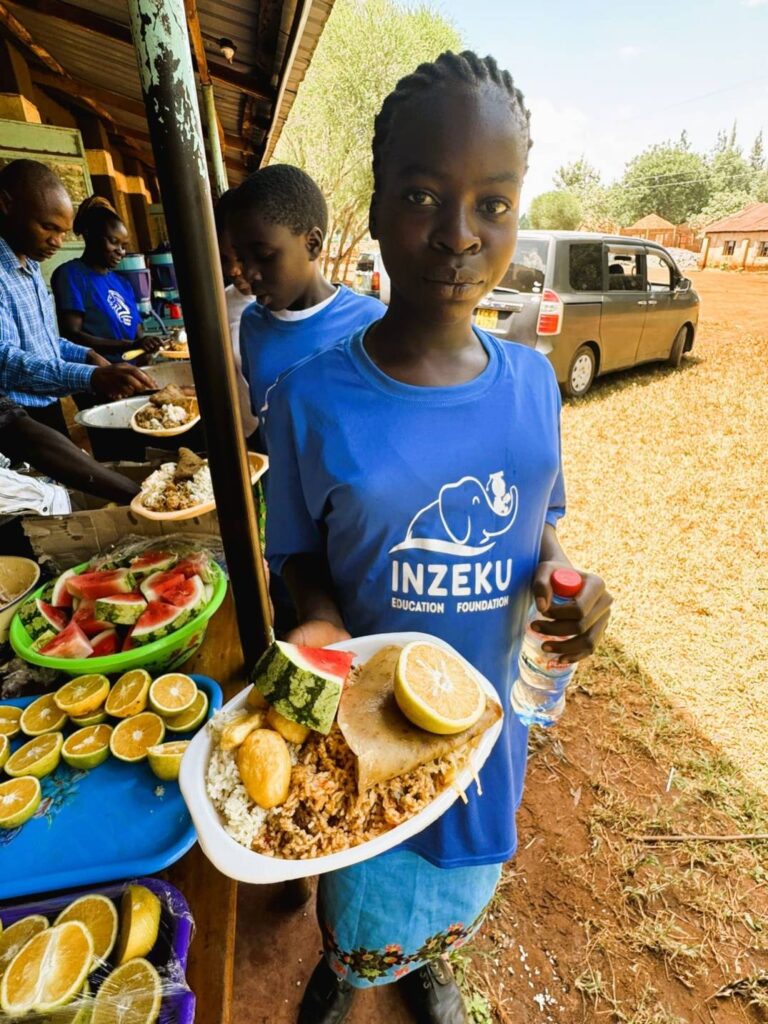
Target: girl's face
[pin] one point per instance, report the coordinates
(446, 211)
(110, 245)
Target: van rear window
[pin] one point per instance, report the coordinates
(586, 267)
(526, 271)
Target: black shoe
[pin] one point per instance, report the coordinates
(327, 999)
(433, 995)
(295, 893)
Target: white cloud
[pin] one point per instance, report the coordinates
(628, 52)
(754, 3)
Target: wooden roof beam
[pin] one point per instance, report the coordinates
(256, 85)
(95, 92)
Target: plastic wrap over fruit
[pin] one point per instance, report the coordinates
(137, 934)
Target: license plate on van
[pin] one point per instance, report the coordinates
(486, 318)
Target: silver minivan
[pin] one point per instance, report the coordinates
(592, 303)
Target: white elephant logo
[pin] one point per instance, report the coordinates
(465, 519)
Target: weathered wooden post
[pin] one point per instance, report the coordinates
(168, 85)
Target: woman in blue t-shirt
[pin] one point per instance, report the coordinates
(95, 306)
(415, 485)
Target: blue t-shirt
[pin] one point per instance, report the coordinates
(269, 346)
(430, 505)
(106, 300)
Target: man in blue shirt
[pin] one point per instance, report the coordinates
(277, 225)
(36, 365)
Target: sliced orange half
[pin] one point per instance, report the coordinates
(436, 690)
(132, 738)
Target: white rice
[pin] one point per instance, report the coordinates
(159, 486)
(241, 817)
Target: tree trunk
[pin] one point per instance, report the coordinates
(341, 251)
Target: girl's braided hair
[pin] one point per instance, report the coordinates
(448, 67)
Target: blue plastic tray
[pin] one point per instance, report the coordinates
(116, 821)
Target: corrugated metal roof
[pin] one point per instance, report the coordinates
(105, 68)
(751, 218)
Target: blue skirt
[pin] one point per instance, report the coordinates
(395, 913)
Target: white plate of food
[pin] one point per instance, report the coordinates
(168, 412)
(328, 824)
(182, 489)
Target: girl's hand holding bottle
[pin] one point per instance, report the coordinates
(581, 620)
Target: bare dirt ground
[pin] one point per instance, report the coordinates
(611, 911)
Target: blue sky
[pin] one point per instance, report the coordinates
(609, 79)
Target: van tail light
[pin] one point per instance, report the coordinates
(550, 313)
(376, 281)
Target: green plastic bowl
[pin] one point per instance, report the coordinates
(168, 653)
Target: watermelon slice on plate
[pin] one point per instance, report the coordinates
(105, 643)
(303, 683)
(85, 618)
(158, 621)
(61, 597)
(92, 585)
(153, 586)
(152, 561)
(69, 643)
(128, 644)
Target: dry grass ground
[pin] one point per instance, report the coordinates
(667, 480)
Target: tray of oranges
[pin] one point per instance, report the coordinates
(88, 789)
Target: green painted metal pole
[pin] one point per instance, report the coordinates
(160, 37)
(220, 180)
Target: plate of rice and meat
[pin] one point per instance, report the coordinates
(334, 756)
(169, 412)
(183, 489)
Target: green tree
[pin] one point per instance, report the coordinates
(730, 172)
(668, 179)
(582, 180)
(757, 153)
(556, 211)
(367, 45)
(721, 204)
(579, 176)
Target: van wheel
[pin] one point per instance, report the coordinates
(581, 372)
(675, 356)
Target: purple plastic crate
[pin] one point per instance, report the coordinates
(169, 954)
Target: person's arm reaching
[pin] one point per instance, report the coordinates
(49, 452)
(71, 326)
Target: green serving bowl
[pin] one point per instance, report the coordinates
(165, 654)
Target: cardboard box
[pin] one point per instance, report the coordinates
(59, 542)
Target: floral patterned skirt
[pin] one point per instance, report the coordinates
(394, 913)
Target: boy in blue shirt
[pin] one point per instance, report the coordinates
(278, 224)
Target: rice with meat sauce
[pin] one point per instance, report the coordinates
(324, 812)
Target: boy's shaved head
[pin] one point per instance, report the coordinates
(283, 195)
(23, 179)
(35, 209)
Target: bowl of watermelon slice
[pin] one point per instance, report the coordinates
(148, 610)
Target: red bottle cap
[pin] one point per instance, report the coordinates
(566, 582)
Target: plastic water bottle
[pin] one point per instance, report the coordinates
(538, 693)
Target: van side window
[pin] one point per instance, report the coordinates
(624, 273)
(659, 272)
(586, 267)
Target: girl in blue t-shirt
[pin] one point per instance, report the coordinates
(95, 306)
(415, 485)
